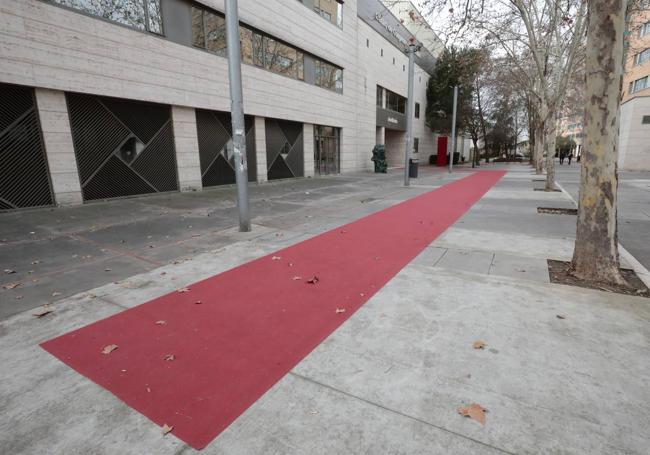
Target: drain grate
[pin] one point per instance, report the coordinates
(557, 211)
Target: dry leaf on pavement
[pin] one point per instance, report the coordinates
(296, 278)
(169, 357)
(560, 316)
(182, 290)
(313, 280)
(340, 310)
(479, 344)
(198, 302)
(276, 258)
(474, 411)
(9, 271)
(166, 429)
(44, 311)
(161, 322)
(11, 285)
(110, 348)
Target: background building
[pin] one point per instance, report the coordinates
(571, 127)
(634, 150)
(122, 98)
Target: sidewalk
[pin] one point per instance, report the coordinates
(391, 378)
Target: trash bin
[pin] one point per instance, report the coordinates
(413, 168)
(379, 157)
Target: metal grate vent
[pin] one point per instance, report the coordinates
(214, 130)
(123, 147)
(284, 149)
(25, 180)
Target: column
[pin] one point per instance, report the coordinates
(308, 147)
(260, 149)
(380, 136)
(187, 148)
(59, 149)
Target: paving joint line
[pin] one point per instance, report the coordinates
(400, 413)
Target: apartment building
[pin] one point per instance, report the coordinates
(120, 98)
(570, 126)
(634, 149)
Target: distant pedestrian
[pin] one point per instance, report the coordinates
(561, 157)
(569, 156)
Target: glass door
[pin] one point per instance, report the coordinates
(326, 149)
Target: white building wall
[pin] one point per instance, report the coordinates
(634, 140)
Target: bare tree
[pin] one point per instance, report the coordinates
(595, 257)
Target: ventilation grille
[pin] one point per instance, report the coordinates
(25, 180)
(284, 149)
(214, 130)
(123, 147)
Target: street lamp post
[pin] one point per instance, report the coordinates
(453, 130)
(413, 47)
(237, 114)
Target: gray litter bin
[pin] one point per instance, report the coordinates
(413, 168)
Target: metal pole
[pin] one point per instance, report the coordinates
(237, 114)
(453, 130)
(414, 46)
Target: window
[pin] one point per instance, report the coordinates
(645, 120)
(393, 60)
(639, 85)
(367, 42)
(403, 67)
(140, 14)
(380, 96)
(644, 30)
(642, 57)
(331, 10)
(417, 110)
(382, 53)
(329, 76)
(209, 32)
(395, 102)
(416, 145)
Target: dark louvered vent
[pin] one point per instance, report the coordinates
(123, 147)
(284, 149)
(24, 175)
(214, 131)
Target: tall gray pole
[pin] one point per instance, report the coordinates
(237, 114)
(414, 46)
(453, 130)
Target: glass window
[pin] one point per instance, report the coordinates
(258, 50)
(198, 35)
(280, 58)
(215, 33)
(642, 57)
(133, 13)
(332, 10)
(417, 110)
(645, 120)
(416, 145)
(645, 29)
(639, 84)
(329, 76)
(380, 96)
(395, 102)
(246, 44)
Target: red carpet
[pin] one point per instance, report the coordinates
(255, 322)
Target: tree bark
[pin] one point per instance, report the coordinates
(595, 257)
(549, 148)
(539, 147)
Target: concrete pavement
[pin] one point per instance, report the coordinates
(391, 378)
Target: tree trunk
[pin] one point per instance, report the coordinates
(595, 257)
(549, 148)
(539, 147)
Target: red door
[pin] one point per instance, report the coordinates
(442, 151)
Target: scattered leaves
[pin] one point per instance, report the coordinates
(166, 429)
(479, 344)
(110, 348)
(296, 278)
(161, 322)
(11, 285)
(9, 271)
(183, 290)
(340, 310)
(474, 411)
(313, 280)
(169, 357)
(276, 258)
(560, 316)
(44, 311)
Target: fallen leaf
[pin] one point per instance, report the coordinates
(148, 390)
(11, 285)
(198, 302)
(166, 429)
(110, 348)
(169, 357)
(276, 258)
(313, 280)
(18, 297)
(182, 290)
(43, 312)
(107, 270)
(161, 322)
(474, 411)
(560, 316)
(296, 278)
(55, 294)
(36, 262)
(340, 310)
(478, 344)
(9, 271)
